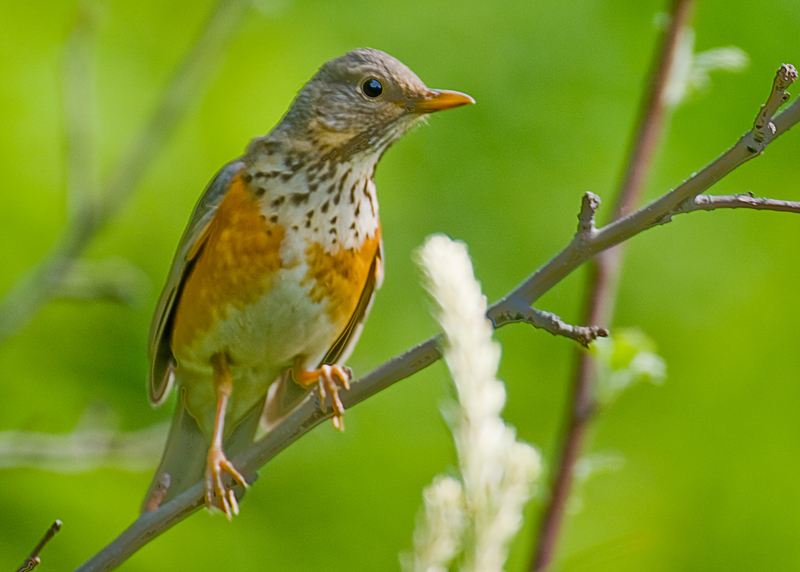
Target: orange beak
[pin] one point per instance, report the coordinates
(440, 99)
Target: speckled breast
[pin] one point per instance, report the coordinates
(264, 293)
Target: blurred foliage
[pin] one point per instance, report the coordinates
(624, 359)
(709, 480)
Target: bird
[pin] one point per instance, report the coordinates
(276, 271)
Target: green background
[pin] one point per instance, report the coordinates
(709, 480)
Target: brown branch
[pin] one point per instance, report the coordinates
(603, 278)
(586, 243)
(91, 210)
(33, 560)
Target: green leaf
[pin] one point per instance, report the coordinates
(623, 360)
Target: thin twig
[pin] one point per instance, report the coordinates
(33, 560)
(309, 414)
(549, 322)
(603, 277)
(746, 201)
(42, 282)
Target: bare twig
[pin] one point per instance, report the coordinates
(42, 282)
(746, 201)
(590, 203)
(549, 322)
(33, 560)
(603, 276)
(308, 413)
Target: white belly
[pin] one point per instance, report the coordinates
(282, 324)
(261, 340)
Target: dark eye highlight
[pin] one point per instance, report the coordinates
(372, 87)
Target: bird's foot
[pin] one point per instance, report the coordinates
(329, 379)
(217, 495)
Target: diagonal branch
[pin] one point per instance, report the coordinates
(603, 275)
(42, 282)
(33, 560)
(659, 211)
(586, 243)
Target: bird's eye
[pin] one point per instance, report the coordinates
(372, 87)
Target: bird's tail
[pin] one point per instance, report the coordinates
(184, 458)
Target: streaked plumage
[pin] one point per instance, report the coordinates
(279, 264)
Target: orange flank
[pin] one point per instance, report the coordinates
(340, 277)
(241, 251)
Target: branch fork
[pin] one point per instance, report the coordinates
(517, 312)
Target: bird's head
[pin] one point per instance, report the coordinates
(363, 101)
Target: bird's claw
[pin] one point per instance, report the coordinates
(217, 495)
(329, 378)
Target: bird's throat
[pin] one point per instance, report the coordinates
(324, 195)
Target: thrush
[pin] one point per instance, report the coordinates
(276, 271)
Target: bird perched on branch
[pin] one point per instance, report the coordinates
(276, 271)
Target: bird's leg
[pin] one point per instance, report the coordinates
(217, 462)
(329, 378)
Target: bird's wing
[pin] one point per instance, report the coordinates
(344, 344)
(162, 362)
